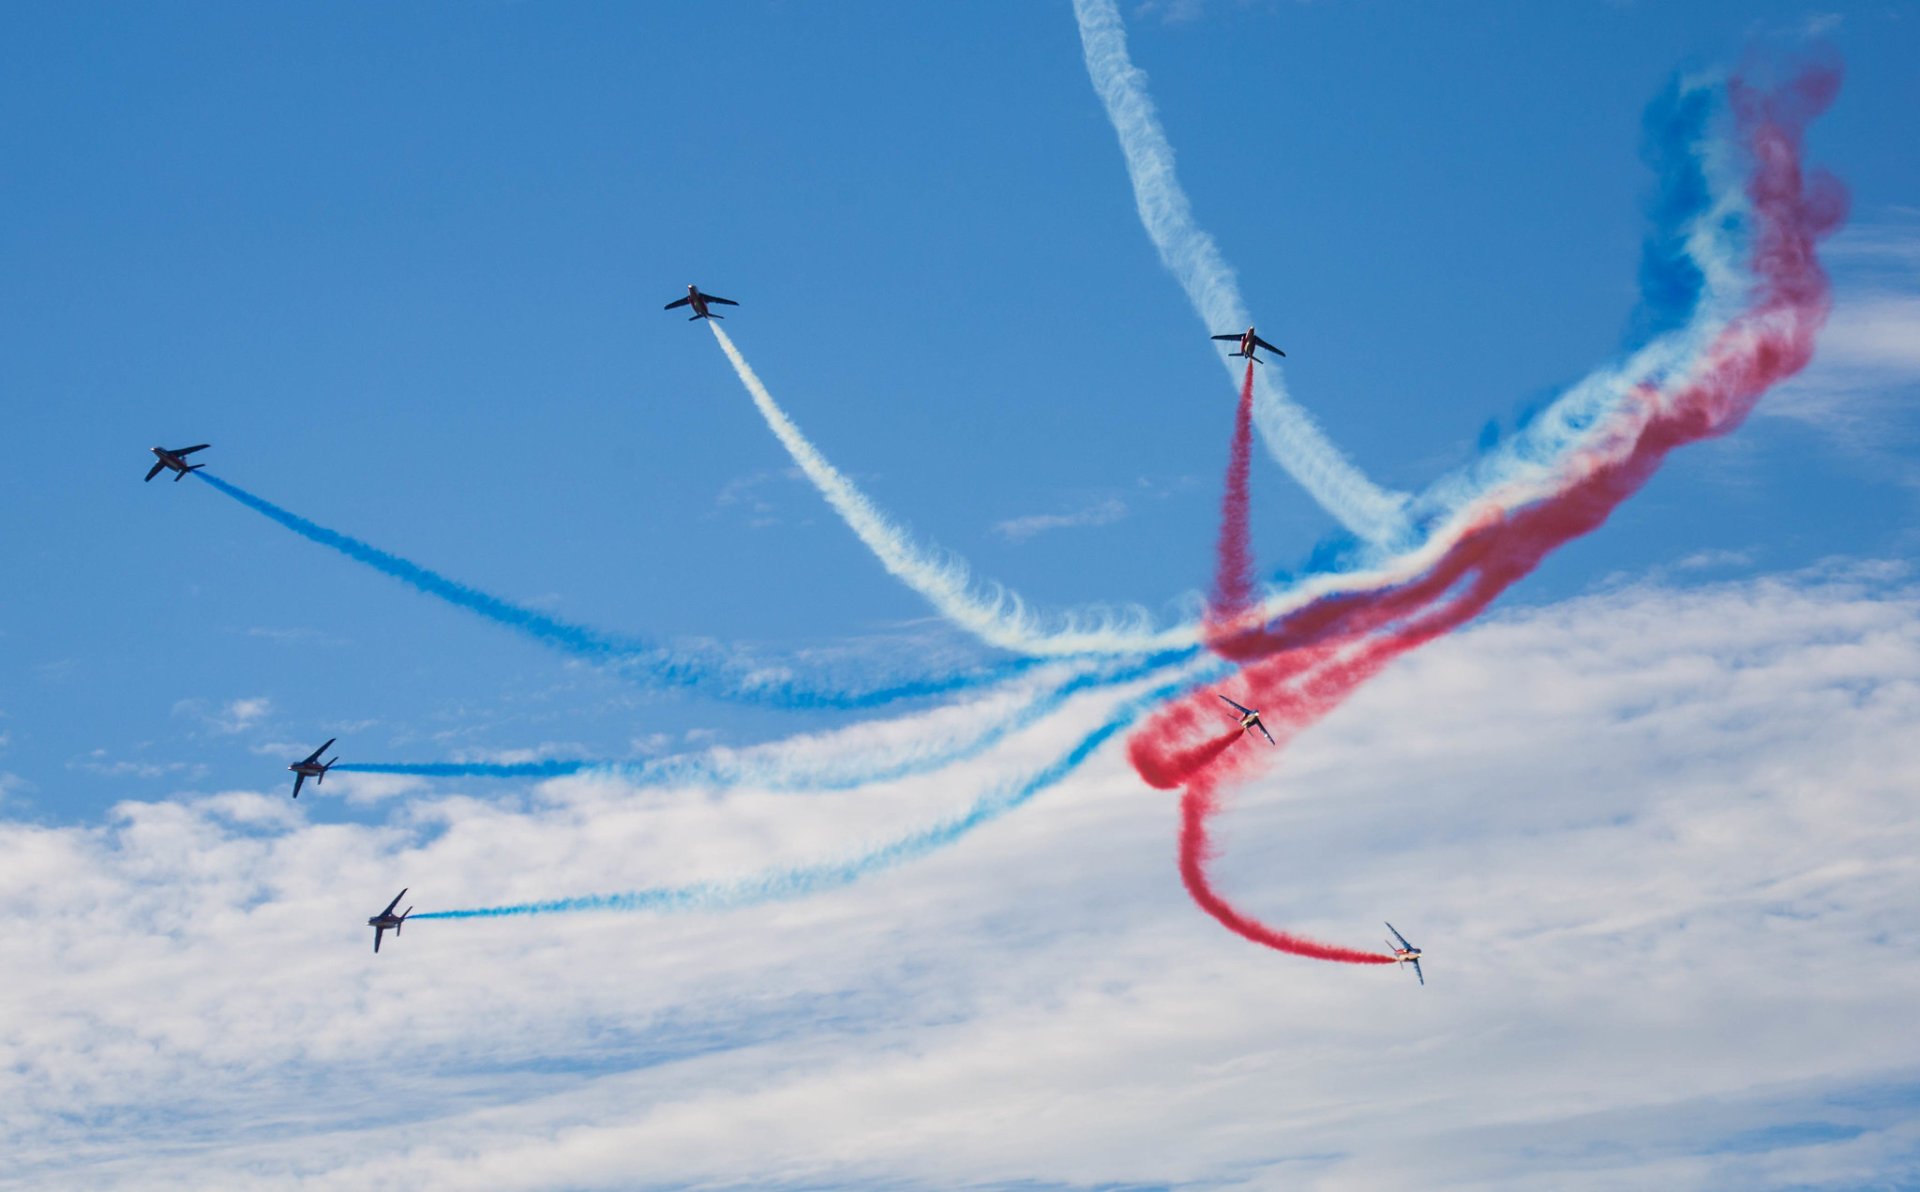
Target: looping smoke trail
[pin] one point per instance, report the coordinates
(705, 671)
(1695, 280)
(1197, 806)
(1350, 640)
(998, 617)
(1291, 435)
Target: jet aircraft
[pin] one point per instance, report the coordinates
(1406, 953)
(1248, 342)
(175, 459)
(1250, 720)
(387, 918)
(312, 767)
(699, 302)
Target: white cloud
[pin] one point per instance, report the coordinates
(234, 716)
(1858, 391)
(751, 496)
(1660, 847)
(1103, 512)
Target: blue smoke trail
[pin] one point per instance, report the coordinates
(1671, 283)
(775, 775)
(1687, 283)
(806, 880)
(705, 671)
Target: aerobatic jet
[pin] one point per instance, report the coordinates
(699, 302)
(312, 767)
(1250, 720)
(175, 459)
(387, 918)
(1406, 953)
(1248, 342)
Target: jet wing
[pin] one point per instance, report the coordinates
(1261, 343)
(377, 933)
(721, 301)
(1396, 935)
(394, 903)
(1234, 335)
(155, 469)
(194, 448)
(315, 755)
(1244, 710)
(299, 780)
(668, 306)
(1263, 730)
(1418, 973)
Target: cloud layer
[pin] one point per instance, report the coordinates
(1659, 845)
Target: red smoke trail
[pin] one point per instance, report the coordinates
(1169, 769)
(1303, 666)
(1233, 566)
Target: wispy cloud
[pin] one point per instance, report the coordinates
(292, 636)
(1860, 388)
(234, 716)
(1102, 512)
(100, 761)
(1716, 560)
(751, 497)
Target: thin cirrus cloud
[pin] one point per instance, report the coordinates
(1102, 512)
(1869, 357)
(1657, 844)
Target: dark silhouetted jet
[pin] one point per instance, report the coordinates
(312, 767)
(699, 303)
(1248, 342)
(387, 918)
(175, 459)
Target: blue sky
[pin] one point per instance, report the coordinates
(403, 265)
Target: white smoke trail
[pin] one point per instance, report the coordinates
(990, 612)
(1528, 466)
(1290, 433)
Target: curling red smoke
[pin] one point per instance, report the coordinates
(1304, 665)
